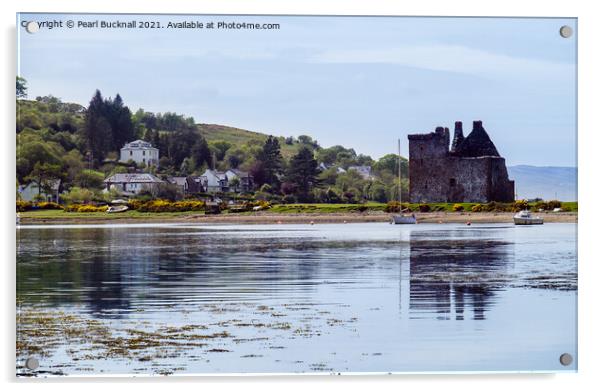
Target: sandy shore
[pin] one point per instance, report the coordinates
(306, 218)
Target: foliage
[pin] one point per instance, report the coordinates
(85, 208)
(477, 208)
(424, 208)
(303, 173)
(78, 195)
(22, 206)
(520, 205)
(21, 87)
(157, 206)
(458, 207)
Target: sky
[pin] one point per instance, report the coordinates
(361, 82)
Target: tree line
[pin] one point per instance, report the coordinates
(80, 145)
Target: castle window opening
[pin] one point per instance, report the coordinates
(452, 182)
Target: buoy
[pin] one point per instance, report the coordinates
(344, 221)
(311, 222)
(279, 222)
(440, 222)
(468, 223)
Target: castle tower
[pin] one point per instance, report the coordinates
(458, 137)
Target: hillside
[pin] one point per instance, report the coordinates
(545, 182)
(236, 136)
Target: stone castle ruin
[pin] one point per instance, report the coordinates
(471, 171)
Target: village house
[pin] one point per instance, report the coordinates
(130, 184)
(141, 152)
(188, 184)
(218, 181)
(33, 192)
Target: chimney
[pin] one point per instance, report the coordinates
(477, 125)
(458, 136)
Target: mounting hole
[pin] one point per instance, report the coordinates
(566, 359)
(32, 27)
(566, 31)
(32, 363)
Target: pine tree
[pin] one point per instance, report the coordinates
(303, 172)
(97, 130)
(271, 160)
(201, 152)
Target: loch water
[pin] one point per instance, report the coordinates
(370, 297)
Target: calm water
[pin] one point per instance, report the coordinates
(176, 298)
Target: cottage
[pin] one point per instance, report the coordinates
(133, 183)
(141, 152)
(245, 180)
(188, 184)
(218, 181)
(33, 192)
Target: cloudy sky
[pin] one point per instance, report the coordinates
(362, 82)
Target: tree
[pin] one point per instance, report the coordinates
(271, 160)
(21, 87)
(220, 148)
(120, 119)
(97, 130)
(303, 172)
(389, 163)
(44, 176)
(201, 153)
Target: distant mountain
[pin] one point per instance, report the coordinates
(545, 182)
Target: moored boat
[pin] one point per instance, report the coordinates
(117, 209)
(524, 217)
(402, 218)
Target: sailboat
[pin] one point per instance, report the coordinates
(402, 218)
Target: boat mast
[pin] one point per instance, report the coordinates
(399, 170)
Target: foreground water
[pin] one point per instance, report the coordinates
(177, 298)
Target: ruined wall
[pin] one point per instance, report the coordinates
(440, 175)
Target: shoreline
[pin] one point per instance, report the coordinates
(299, 218)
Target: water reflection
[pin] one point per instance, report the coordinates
(448, 275)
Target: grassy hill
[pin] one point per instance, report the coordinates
(236, 136)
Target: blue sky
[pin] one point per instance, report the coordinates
(361, 82)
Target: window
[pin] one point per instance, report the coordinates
(130, 153)
(143, 153)
(452, 182)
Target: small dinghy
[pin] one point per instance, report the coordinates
(524, 218)
(117, 208)
(404, 219)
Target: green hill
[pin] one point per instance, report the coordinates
(236, 136)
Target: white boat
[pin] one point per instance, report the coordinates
(524, 218)
(117, 209)
(404, 219)
(401, 218)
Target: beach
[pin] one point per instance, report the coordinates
(267, 217)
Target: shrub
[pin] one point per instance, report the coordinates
(48, 205)
(393, 207)
(83, 208)
(424, 208)
(477, 208)
(458, 207)
(553, 204)
(288, 199)
(158, 206)
(22, 206)
(520, 205)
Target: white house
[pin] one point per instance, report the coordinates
(133, 183)
(364, 171)
(32, 192)
(245, 180)
(215, 181)
(141, 152)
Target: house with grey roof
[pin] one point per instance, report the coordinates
(130, 184)
(33, 192)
